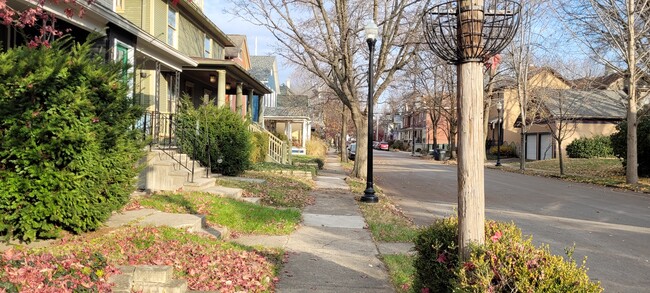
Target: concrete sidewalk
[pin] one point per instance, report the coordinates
(332, 251)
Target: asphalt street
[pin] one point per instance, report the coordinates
(609, 226)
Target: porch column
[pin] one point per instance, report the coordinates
(221, 88)
(305, 124)
(249, 104)
(240, 98)
(288, 132)
(261, 112)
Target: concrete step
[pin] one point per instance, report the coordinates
(152, 274)
(255, 200)
(199, 184)
(192, 223)
(235, 193)
(173, 286)
(243, 179)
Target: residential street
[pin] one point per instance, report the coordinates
(611, 227)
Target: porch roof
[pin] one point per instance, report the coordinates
(233, 71)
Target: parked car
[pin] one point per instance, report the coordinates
(375, 145)
(352, 151)
(383, 146)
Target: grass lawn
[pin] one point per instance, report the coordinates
(401, 271)
(278, 190)
(386, 222)
(601, 171)
(238, 216)
(84, 263)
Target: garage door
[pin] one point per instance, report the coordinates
(545, 146)
(531, 146)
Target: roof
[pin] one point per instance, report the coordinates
(238, 41)
(232, 69)
(601, 82)
(592, 104)
(293, 101)
(271, 112)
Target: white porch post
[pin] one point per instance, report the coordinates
(221, 88)
(240, 98)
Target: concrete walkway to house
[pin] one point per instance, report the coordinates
(332, 251)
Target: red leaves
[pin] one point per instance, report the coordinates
(44, 272)
(205, 264)
(497, 235)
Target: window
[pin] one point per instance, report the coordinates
(122, 57)
(171, 27)
(207, 47)
(119, 5)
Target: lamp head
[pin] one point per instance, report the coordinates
(499, 106)
(371, 30)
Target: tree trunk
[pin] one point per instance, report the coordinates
(559, 152)
(344, 132)
(631, 172)
(361, 157)
(471, 190)
(522, 150)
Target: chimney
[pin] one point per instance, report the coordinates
(289, 83)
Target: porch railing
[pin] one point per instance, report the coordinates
(279, 151)
(183, 143)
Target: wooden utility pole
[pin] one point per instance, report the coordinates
(457, 34)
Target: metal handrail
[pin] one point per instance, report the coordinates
(167, 133)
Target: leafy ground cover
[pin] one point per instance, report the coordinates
(268, 166)
(401, 271)
(238, 216)
(602, 171)
(387, 223)
(277, 190)
(84, 263)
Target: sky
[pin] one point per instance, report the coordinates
(230, 24)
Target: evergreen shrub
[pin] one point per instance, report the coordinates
(587, 148)
(507, 262)
(260, 142)
(619, 144)
(68, 149)
(220, 130)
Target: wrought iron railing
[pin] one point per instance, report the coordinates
(182, 142)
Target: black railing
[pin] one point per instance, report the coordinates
(186, 144)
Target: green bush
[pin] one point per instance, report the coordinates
(222, 131)
(619, 144)
(506, 151)
(398, 145)
(260, 142)
(507, 262)
(68, 151)
(595, 147)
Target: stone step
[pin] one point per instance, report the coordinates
(199, 184)
(255, 200)
(243, 179)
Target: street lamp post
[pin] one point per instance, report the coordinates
(499, 138)
(371, 31)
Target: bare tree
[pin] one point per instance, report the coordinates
(560, 111)
(520, 56)
(324, 38)
(616, 32)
